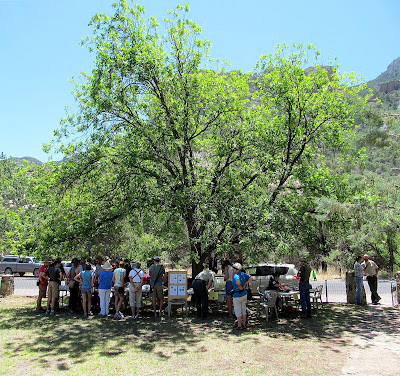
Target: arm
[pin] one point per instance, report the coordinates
(77, 278)
(92, 280)
(226, 273)
(210, 284)
(247, 282)
(141, 282)
(113, 278)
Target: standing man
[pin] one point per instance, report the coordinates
(157, 272)
(371, 271)
(304, 289)
(135, 289)
(359, 274)
(201, 284)
(54, 277)
(42, 284)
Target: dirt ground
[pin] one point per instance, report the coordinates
(375, 349)
(340, 339)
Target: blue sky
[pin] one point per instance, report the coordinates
(40, 48)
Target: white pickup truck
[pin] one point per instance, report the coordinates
(11, 264)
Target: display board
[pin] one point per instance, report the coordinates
(177, 284)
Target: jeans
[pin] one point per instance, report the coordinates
(104, 295)
(304, 289)
(359, 287)
(201, 298)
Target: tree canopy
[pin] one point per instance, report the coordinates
(164, 138)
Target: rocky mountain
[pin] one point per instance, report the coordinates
(392, 73)
(31, 160)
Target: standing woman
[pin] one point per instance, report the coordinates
(240, 282)
(87, 279)
(105, 283)
(119, 290)
(228, 277)
(73, 286)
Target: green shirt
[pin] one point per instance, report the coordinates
(154, 271)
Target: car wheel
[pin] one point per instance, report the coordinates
(21, 274)
(8, 271)
(36, 273)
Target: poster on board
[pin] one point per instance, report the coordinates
(177, 284)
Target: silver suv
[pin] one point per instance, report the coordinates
(11, 264)
(262, 273)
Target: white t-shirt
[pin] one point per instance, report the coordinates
(137, 275)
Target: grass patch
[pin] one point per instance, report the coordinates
(33, 344)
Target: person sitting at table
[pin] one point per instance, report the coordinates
(274, 283)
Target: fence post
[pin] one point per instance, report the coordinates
(326, 290)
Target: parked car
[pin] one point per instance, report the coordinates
(262, 273)
(67, 265)
(12, 264)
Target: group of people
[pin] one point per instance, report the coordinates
(94, 284)
(83, 278)
(236, 284)
(363, 266)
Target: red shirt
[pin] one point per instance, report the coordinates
(42, 269)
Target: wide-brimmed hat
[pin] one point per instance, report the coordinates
(156, 258)
(107, 266)
(237, 266)
(46, 259)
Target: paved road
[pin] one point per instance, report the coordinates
(26, 286)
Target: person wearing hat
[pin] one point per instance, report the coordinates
(42, 284)
(240, 282)
(157, 272)
(54, 277)
(105, 284)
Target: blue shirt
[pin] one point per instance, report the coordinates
(87, 278)
(105, 280)
(243, 278)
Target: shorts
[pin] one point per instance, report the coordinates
(135, 298)
(158, 292)
(53, 290)
(86, 290)
(117, 293)
(228, 288)
(42, 291)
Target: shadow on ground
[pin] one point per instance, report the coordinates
(66, 336)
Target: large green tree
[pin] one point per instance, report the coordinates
(165, 136)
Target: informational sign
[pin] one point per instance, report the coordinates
(177, 284)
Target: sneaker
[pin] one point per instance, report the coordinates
(132, 317)
(90, 313)
(85, 315)
(137, 316)
(52, 313)
(47, 313)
